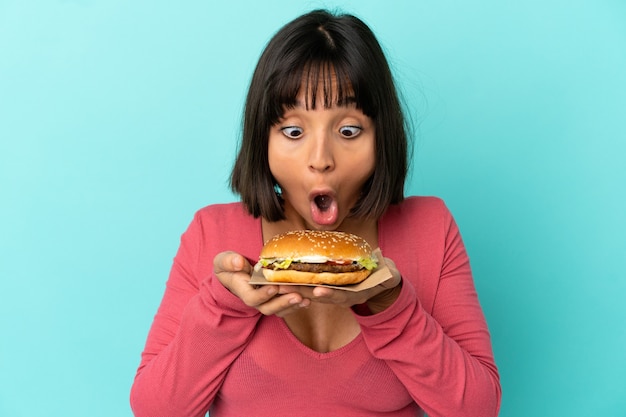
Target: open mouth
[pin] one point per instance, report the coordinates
(324, 209)
(323, 202)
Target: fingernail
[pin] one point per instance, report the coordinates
(271, 291)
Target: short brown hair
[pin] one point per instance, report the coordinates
(307, 48)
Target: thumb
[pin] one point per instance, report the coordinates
(228, 262)
(238, 263)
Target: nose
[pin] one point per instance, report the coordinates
(321, 156)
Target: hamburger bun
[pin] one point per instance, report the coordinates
(317, 257)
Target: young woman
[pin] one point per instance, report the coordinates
(324, 147)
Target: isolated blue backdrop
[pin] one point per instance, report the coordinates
(119, 119)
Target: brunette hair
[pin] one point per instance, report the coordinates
(341, 53)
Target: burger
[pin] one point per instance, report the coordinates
(317, 257)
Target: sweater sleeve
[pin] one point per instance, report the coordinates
(443, 357)
(198, 331)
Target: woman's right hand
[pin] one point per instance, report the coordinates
(233, 271)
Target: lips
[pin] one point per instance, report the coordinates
(324, 209)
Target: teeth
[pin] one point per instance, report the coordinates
(323, 202)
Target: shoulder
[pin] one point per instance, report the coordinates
(216, 217)
(422, 221)
(424, 203)
(225, 211)
(228, 226)
(226, 218)
(417, 209)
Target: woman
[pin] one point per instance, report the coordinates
(324, 147)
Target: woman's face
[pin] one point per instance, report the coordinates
(321, 158)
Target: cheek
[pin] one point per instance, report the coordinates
(363, 162)
(279, 158)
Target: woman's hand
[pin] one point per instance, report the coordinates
(377, 298)
(233, 271)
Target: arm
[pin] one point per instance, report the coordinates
(442, 356)
(198, 331)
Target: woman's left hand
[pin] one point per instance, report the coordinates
(378, 298)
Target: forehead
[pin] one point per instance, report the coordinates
(323, 97)
(320, 85)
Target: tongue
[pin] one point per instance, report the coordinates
(324, 210)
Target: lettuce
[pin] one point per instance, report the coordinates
(368, 263)
(276, 263)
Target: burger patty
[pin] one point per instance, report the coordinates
(317, 268)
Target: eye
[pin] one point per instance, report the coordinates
(350, 131)
(292, 132)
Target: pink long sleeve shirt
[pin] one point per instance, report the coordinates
(430, 351)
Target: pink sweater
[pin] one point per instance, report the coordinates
(430, 351)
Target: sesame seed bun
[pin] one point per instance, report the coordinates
(317, 257)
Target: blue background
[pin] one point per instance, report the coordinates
(119, 119)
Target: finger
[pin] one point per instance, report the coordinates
(283, 305)
(238, 263)
(333, 296)
(303, 290)
(251, 296)
(322, 292)
(314, 293)
(231, 262)
(221, 263)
